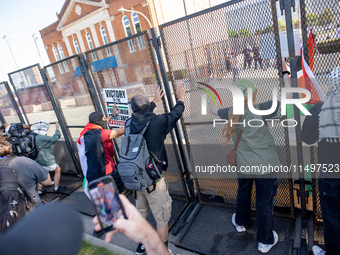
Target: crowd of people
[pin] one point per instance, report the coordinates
(255, 146)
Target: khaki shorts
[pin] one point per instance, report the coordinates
(159, 201)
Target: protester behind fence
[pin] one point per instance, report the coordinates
(96, 150)
(337, 31)
(247, 56)
(323, 127)
(53, 229)
(136, 228)
(27, 170)
(45, 156)
(159, 200)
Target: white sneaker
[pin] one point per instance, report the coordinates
(318, 251)
(172, 253)
(52, 183)
(238, 228)
(264, 248)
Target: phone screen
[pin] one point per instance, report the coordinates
(106, 201)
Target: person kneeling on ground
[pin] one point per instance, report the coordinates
(27, 170)
(45, 156)
(136, 228)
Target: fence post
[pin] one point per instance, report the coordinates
(14, 103)
(61, 120)
(184, 154)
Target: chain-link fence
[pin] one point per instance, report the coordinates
(130, 64)
(320, 24)
(235, 40)
(7, 108)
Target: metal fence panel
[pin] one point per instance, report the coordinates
(6, 106)
(213, 42)
(130, 64)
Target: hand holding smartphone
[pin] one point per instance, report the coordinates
(108, 207)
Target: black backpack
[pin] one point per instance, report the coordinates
(24, 146)
(14, 201)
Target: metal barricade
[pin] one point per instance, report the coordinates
(130, 64)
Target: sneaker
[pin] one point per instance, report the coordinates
(172, 253)
(264, 248)
(98, 234)
(60, 189)
(52, 183)
(140, 249)
(39, 192)
(238, 228)
(318, 251)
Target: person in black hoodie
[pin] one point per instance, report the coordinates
(159, 200)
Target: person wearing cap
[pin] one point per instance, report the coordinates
(323, 127)
(256, 148)
(159, 200)
(95, 160)
(45, 156)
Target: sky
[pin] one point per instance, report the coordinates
(19, 20)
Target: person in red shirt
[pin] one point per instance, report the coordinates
(96, 150)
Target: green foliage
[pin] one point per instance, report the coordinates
(268, 29)
(296, 23)
(232, 34)
(282, 25)
(258, 31)
(244, 32)
(312, 18)
(329, 46)
(148, 80)
(180, 74)
(325, 18)
(89, 249)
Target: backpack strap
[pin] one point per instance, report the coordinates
(127, 127)
(153, 188)
(146, 126)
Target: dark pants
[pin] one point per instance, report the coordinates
(266, 189)
(330, 207)
(258, 59)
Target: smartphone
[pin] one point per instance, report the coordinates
(104, 196)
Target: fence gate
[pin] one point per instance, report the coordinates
(212, 43)
(10, 112)
(130, 64)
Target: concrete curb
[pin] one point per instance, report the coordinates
(111, 247)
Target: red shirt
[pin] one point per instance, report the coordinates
(108, 150)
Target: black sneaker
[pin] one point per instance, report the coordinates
(60, 189)
(98, 234)
(140, 249)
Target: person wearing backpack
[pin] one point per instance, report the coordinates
(159, 200)
(45, 156)
(28, 172)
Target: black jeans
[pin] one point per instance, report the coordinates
(330, 207)
(266, 189)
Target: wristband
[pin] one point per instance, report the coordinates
(285, 72)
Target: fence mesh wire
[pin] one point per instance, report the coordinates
(130, 64)
(33, 95)
(6, 106)
(235, 40)
(322, 18)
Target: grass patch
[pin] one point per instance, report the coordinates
(89, 249)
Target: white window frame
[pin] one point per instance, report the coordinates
(131, 43)
(140, 39)
(104, 36)
(62, 55)
(57, 58)
(90, 44)
(76, 45)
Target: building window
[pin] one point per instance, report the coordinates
(128, 32)
(57, 58)
(138, 28)
(89, 42)
(62, 55)
(76, 45)
(105, 40)
(56, 55)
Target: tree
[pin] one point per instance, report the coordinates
(244, 32)
(232, 33)
(312, 19)
(326, 17)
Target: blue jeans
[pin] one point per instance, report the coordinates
(266, 189)
(330, 206)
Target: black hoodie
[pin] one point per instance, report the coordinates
(159, 127)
